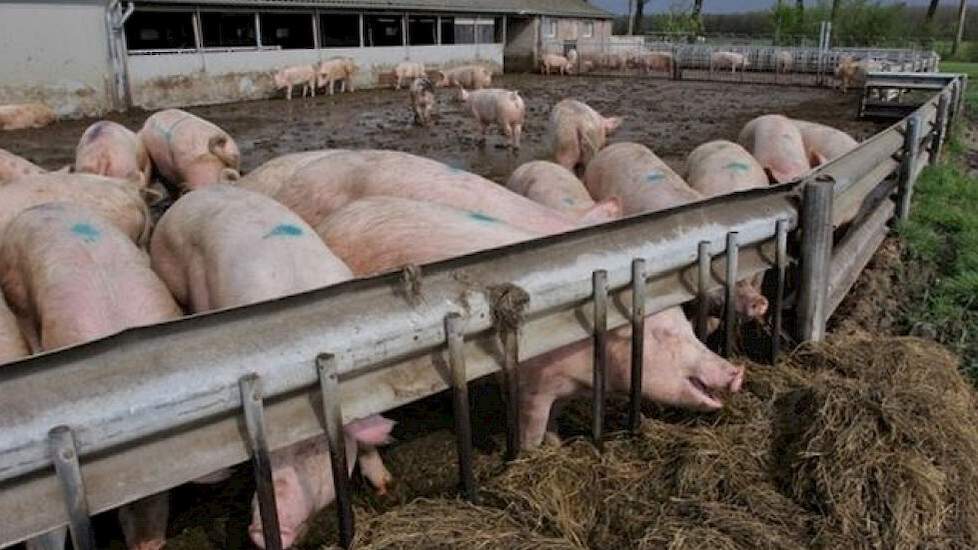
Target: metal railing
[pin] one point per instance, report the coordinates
(95, 426)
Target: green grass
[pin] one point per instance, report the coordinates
(941, 238)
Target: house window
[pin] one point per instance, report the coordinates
(500, 30)
(588, 31)
(422, 30)
(383, 30)
(228, 30)
(160, 30)
(447, 30)
(485, 31)
(549, 27)
(288, 31)
(339, 30)
(464, 31)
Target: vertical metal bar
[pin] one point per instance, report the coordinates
(781, 263)
(327, 367)
(254, 411)
(952, 110)
(460, 393)
(599, 281)
(638, 343)
(702, 279)
(730, 309)
(64, 454)
(816, 255)
(511, 390)
(908, 168)
(937, 140)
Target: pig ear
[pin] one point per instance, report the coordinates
(152, 193)
(229, 175)
(612, 124)
(604, 211)
(776, 176)
(372, 430)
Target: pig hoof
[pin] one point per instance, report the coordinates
(550, 439)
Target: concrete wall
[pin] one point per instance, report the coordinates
(56, 54)
(569, 29)
(175, 79)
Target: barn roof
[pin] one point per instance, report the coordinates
(560, 8)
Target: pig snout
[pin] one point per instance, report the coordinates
(715, 377)
(750, 302)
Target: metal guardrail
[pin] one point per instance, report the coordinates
(178, 389)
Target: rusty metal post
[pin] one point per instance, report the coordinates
(327, 368)
(781, 263)
(952, 112)
(908, 167)
(702, 279)
(599, 281)
(816, 256)
(64, 454)
(939, 131)
(730, 309)
(254, 412)
(638, 343)
(454, 336)
(511, 391)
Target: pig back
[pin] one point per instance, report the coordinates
(642, 181)
(721, 167)
(12, 343)
(13, 167)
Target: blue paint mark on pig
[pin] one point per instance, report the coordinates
(480, 217)
(737, 167)
(568, 201)
(88, 233)
(284, 230)
(654, 176)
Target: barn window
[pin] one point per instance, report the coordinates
(549, 27)
(464, 31)
(422, 30)
(484, 31)
(500, 30)
(339, 30)
(160, 30)
(228, 30)
(447, 30)
(588, 31)
(383, 30)
(288, 31)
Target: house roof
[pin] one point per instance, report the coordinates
(560, 8)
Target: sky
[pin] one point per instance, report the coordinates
(728, 6)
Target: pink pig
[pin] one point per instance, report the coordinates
(316, 184)
(638, 177)
(110, 149)
(466, 76)
(577, 132)
(189, 151)
(824, 143)
(12, 343)
(377, 235)
(777, 144)
(552, 185)
(504, 108)
(13, 167)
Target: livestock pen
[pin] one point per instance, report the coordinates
(236, 384)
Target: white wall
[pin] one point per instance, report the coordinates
(177, 79)
(56, 54)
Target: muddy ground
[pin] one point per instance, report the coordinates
(670, 117)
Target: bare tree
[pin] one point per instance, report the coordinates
(932, 11)
(639, 17)
(962, 9)
(801, 9)
(835, 9)
(698, 15)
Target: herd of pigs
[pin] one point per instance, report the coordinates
(81, 257)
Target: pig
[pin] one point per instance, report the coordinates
(422, 100)
(13, 167)
(719, 168)
(12, 343)
(504, 108)
(407, 70)
(777, 144)
(70, 277)
(824, 143)
(18, 116)
(114, 200)
(327, 182)
(678, 370)
(657, 61)
(338, 68)
(556, 187)
(587, 66)
(722, 60)
(222, 246)
(639, 178)
(189, 151)
(564, 64)
(473, 77)
(577, 132)
(849, 71)
(783, 61)
(299, 75)
(110, 149)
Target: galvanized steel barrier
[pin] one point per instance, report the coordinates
(95, 426)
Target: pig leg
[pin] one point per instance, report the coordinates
(331, 86)
(288, 93)
(372, 467)
(534, 416)
(52, 540)
(144, 522)
(398, 85)
(517, 132)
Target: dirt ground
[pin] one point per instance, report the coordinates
(670, 117)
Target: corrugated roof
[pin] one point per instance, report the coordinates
(564, 8)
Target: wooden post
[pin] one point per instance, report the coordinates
(908, 166)
(816, 256)
(940, 123)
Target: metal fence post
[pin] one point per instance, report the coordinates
(511, 391)
(702, 298)
(327, 368)
(908, 167)
(460, 392)
(940, 122)
(638, 343)
(781, 263)
(600, 336)
(252, 401)
(730, 295)
(64, 454)
(816, 256)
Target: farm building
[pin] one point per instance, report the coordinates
(84, 57)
